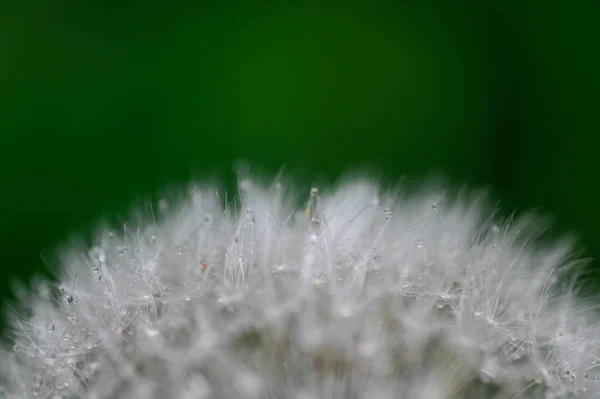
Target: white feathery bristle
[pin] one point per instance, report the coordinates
(360, 293)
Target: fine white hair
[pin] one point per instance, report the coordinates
(362, 292)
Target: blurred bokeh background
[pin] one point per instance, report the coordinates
(103, 101)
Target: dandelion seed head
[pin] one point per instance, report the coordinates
(364, 293)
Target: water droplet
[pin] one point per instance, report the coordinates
(98, 253)
(594, 360)
(346, 311)
(485, 376)
(434, 205)
(68, 299)
(388, 213)
(50, 327)
(278, 268)
(245, 185)
(440, 303)
(188, 298)
(152, 332)
(89, 341)
(477, 313)
(163, 205)
(419, 243)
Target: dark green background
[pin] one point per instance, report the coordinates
(105, 101)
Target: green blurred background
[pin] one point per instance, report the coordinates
(102, 102)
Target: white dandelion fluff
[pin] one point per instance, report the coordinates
(363, 292)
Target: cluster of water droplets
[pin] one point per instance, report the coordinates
(361, 293)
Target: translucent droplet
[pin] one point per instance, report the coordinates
(80, 365)
(163, 205)
(51, 327)
(245, 185)
(346, 311)
(152, 332)
(98, 253)
(440, 303)
(250, 215)
(434, 205)
(68, 299)
(188, 298)
(485, 376)
(368, 349)
(477, 313)
(278, 268)
(593, 360)
(419, 243)
(388, 213)
(89, 341)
